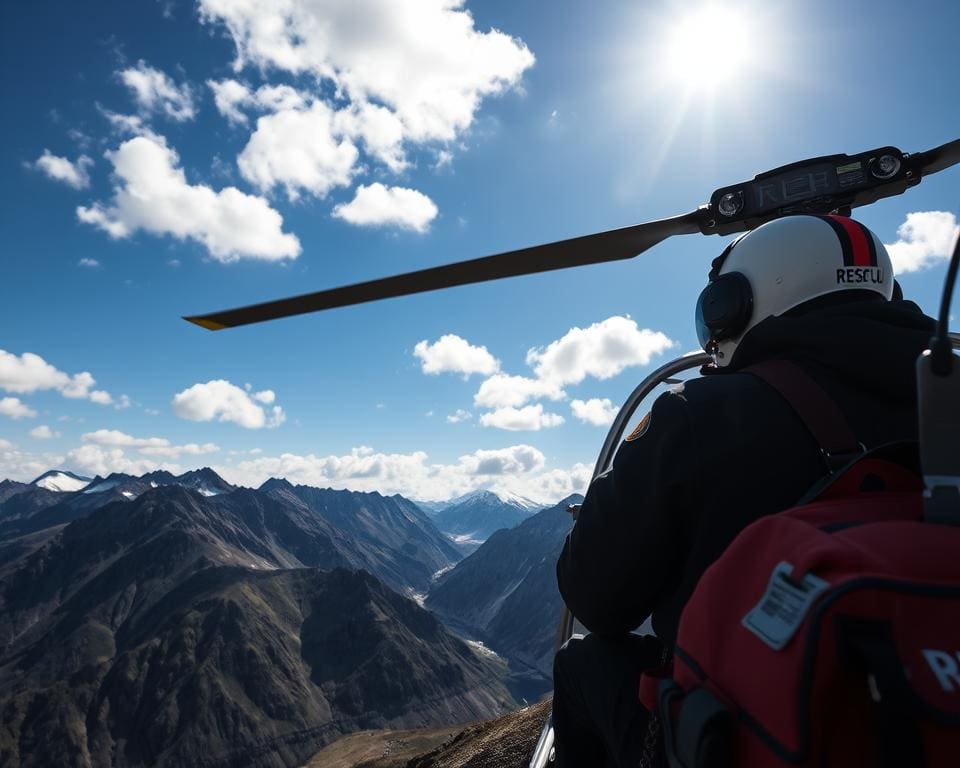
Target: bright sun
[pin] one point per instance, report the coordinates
(707, 47)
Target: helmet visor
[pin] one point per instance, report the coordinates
(703, 332)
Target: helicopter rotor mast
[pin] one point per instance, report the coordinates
(818, 185)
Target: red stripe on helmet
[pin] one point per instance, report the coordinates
(862, 247)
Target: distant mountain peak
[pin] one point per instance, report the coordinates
(487, 495)
(61, 480)
(205, 481)
(276, 483)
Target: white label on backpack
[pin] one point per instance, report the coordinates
(783, 606)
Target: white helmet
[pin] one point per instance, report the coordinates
(783, 264)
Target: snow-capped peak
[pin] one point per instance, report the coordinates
(61, 481)
(505, 497)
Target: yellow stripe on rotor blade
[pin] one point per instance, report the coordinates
(210, 325)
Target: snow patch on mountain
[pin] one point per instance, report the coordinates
(61, 481)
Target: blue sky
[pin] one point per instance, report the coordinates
(170, 158)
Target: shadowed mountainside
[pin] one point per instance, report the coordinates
(390, 536)
(506, 592)
(472, 519)
(158, 632)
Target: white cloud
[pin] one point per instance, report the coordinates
(600, 413)
(229, 96)
(377, 205)
(222, 401)
(30, 373)
(425, 61)
(378, 128)
(459, 415)
(519, 469)
(15, 408)
(93, 459)
(517, 459)
(127, 124)
(148, 446)
(73, 174)
(114, 438)
(603, 350)
(503, 390)
(43, 432)
(152, 194)
(266, 397)
(25, 466)
(298, 150)
(452, 354)
(154, 91)
(530, 418)
(925, 238)
(89, 263)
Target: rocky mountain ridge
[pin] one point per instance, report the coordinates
(506, 595)
(178, 628)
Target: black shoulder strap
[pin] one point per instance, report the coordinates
(816, 409)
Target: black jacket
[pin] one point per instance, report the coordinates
(725, 450)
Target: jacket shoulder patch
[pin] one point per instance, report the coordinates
(641, 428)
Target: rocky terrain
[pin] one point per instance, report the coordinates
(506, 742)
(505, 594)
(178, 627)
(470, 520)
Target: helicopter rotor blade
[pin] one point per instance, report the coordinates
(938, 158)
(612, 245)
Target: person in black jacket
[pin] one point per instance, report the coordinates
(721, 451)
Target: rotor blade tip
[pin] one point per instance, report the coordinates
(203, 322)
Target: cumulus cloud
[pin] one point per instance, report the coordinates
(425, 61)
(72, 173)
(152, 194)
(459, 415)
(923, 240)
(155, 92)
(229, 96)
(25, 466)
(603, 350)
(89, 263)
(415, 77)
(452, 354)
(28, 373)
(530, 418)
(519, 469)
(379, 130)
(15, 408)
(502, 391)
(376, 205)
(148, 446)
(219, 400)
(298, 149)
(599, 412)
(43, 432)
(93, 459)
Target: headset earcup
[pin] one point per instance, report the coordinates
(724, 307)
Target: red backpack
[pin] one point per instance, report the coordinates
(827, 635)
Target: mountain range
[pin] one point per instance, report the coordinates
(194, 624)
(505, 594)
(470, 520)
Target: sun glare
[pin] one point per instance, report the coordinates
(707, 47)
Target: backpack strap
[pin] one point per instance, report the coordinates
(816, 409)
(869, 646)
